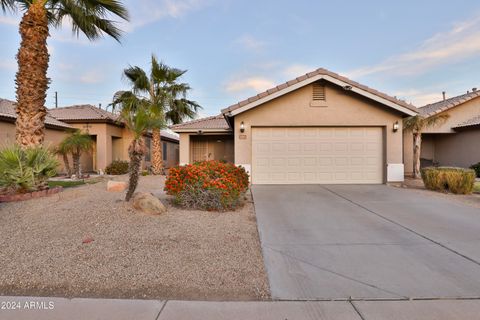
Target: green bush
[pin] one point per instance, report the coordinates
(207, 185)
(25, 170)
(117, 167)
(476, 168)
(455, 180)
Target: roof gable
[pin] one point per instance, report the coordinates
(320, 74)
(214, 123)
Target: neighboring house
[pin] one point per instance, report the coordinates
(318, 128)
(453, 143)
(111, 137)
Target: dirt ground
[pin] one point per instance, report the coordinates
(181, 254)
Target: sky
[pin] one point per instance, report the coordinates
(234, 49)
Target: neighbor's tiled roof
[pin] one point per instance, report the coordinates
(469, 123)
(214, 122)
(317, 72)
(82, 112)
(437, 107)
(169, 135)
(7, 110)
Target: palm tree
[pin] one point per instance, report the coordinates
(76, 143)
(90, 17)
(417, 124)
(62, 150)
(166, 97)
(136, 115)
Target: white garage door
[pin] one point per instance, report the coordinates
(325, 155)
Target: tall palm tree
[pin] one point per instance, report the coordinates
(417, 124)
(90, 17)
(166, 97)
(136, 114)
(76, 143)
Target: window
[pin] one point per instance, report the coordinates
(165, 151)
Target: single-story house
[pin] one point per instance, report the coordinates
(318, 128)
(454, 142)
(111, 137)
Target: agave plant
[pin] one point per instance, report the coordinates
(26, 169)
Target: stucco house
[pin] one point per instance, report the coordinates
(454, 142)
(111, 137)
(318, 128)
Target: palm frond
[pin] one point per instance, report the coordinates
(138, 79)
(7, 5)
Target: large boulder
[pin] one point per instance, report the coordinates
(116, 186)
(148, 203)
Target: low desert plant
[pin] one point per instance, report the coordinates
(26, 169)
(117, 167)
(207, 185)
(476, 168)
(455, 180)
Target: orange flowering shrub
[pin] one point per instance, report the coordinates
(208, 185)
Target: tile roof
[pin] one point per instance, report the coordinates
(443, 105)
(317, 72)
(475, 121)
(82, 112)
(214, 122)
(7, 110)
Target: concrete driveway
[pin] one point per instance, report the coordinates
(366, 242)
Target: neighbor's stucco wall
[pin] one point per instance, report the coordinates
(184, 148)
(457, 115)
(343, 109)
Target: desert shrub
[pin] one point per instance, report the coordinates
(455, 180)
(24, 170)
(207, 185)
(476, 168)
(117, 167)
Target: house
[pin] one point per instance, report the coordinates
(318, 128)
(110, 135)
(454, 142)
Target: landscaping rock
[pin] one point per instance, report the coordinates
(116, 186)
(148, 203)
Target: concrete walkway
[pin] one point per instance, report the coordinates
(102, 309)
(367, 242)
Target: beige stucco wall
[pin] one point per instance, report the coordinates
(460, 149)
(184, 148)
(458, 115)
(343, 109)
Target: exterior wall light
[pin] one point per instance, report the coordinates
(242, 127)
(396, 126)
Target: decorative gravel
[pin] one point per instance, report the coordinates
(181, 254)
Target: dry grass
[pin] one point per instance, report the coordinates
(179, 255)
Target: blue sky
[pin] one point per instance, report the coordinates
(234, 49)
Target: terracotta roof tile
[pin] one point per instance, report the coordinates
(214, 122)
(475, 121)
(320, 71)
(443, 105)
(7, 109)
(82, 112)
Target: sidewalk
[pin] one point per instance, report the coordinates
(88, 309)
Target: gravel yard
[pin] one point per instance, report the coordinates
(181, 254)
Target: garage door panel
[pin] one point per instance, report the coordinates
(317, 155)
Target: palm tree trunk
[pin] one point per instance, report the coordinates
(76, 164)
(67, 164)
(136, 151)
(31, 78)
(157, 152)
(417, 145)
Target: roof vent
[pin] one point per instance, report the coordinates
(474, 89)
(443, 94)
(318, 92)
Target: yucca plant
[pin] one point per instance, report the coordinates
(26, 169)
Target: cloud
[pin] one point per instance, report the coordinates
(9, 20)
(92, 76)
(256, 84)
(250, 43)
(144, 12)
(462, 41)
(297, 70)
(419, 97)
